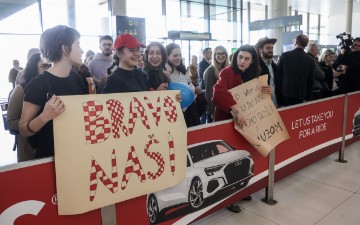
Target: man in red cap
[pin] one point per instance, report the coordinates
(265, 47)
(125, 78)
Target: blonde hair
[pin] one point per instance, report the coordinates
(217, 66)
(325, 54)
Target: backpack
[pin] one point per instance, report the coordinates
(14, 132)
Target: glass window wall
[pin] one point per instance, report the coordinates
(224, 23)
(154, 20)
(313, 27)
(257, 12)
(304, 26)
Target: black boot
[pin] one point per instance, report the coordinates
(248, 198)
(234, 208)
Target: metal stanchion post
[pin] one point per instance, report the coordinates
(269, 190)
(341, 151)
(108, 215)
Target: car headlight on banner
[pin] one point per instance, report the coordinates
(211, 170)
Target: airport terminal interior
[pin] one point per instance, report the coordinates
(324, 193)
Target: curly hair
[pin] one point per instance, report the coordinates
(163, 55)
(53, 40)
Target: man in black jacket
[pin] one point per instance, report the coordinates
(350, 62)
(203, 65)
(265, 48)
(295, 79)
(14, 72)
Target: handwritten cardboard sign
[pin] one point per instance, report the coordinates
(264, 128)
(114, 147)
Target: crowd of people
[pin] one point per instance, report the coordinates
(121, 66)
(57, 69)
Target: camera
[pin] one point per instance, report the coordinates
(346, 40)
(340, 69)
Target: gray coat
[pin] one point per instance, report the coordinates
(319, 74)
(210, 80)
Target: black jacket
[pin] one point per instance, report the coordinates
(203, 65)
(295, 77)
(265, 70)
(352, 76)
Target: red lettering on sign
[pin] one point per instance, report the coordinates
(170, 110)
(136, 111)
(98, 172)
(156, 156)
(116, 110)
(155, 112)
(171, 153)
(132, 166)
(97, 129)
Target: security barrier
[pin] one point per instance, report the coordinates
(317, 129)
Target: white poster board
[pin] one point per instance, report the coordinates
(114, 147)
(263, 128)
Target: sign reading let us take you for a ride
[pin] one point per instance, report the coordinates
(114, 147)
(263, 128)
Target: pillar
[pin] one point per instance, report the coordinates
(277, 8)
(71, 14)
(119, 8)
(348, 15)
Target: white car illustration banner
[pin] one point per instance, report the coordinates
(263, 128)
(353, 122)
(114, 147)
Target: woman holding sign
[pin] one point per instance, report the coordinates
(243, 68)
(59, 45)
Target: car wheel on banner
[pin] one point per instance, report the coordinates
(153, 209)
(356, 124)
(196, 198)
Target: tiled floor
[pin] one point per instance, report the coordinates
(325, 193)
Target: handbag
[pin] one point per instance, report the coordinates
(200, 102)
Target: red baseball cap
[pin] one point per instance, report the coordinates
(128, 41)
